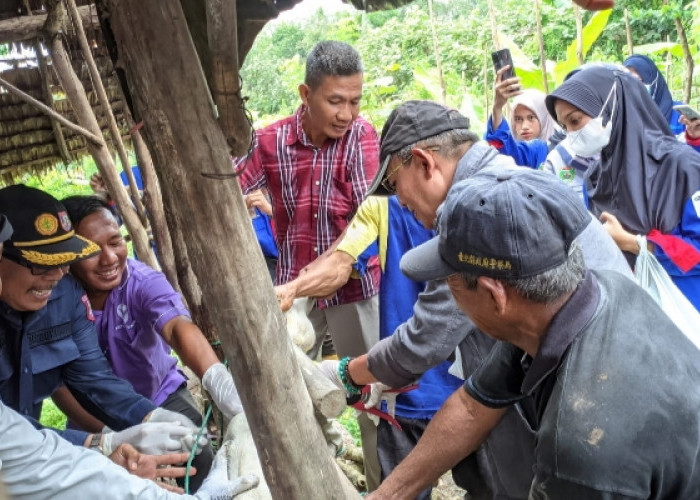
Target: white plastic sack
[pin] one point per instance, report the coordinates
(653, 278)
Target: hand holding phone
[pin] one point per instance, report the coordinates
(687, 111)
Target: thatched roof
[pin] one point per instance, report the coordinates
(27, 138)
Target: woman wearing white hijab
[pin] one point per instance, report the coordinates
(524, 137)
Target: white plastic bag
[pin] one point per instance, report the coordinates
(653, 278)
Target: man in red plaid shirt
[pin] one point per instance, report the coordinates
(317, 165)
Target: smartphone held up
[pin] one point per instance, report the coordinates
(502, 58)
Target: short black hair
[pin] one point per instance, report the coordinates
(331, 58)
(80, 206)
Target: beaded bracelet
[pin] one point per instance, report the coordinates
(344, 375)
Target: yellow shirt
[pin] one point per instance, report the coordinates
(370, 223)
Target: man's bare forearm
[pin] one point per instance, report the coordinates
(456, 431)
(324, 276)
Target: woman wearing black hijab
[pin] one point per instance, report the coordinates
(646, 181)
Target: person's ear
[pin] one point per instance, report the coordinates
(304, 91)
(497, 290)
(425, 160)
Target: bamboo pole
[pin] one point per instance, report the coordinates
(689, 63)
(106, 109)
(579, 34)
(83, 111)
(95, 139)
(436, 51)
(540, 42)
(48, 97)
(153, 200)
(628, 31)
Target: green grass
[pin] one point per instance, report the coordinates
(51, 416)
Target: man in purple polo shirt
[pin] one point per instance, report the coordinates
(139, 317)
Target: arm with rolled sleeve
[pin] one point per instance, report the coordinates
(91, 380)
(252, 174)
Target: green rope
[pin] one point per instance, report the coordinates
(193, 451)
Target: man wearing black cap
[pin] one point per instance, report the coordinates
(578, 368)
(47, 337)
(426, 148)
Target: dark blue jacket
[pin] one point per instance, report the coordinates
(42, 350)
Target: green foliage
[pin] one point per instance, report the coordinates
(63, 181)
(51, 416)
(400, 61)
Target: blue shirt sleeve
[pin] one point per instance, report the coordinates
(91, 380)
(525, 153)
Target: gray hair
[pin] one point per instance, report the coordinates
(548, 286)
(331, 58)
(449, 144)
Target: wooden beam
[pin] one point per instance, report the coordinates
(21, 28)
(53, 114)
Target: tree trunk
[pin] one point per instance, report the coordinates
(628, 31)
(155, 49)
(689, 63)
(540, 43)
(83, 111)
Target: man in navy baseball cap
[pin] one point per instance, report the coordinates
(577, 350)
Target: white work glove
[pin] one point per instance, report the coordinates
(219, 383)
(161, 415)
(153, 439)
(217, 485)
(377, 395)
(329, 368)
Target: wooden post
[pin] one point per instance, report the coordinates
(83, 111)
(224, 80)
(540, 43)
(154, 47)
(106, 109)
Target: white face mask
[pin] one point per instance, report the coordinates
(590, 139)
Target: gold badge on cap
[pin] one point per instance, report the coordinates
(46, 224)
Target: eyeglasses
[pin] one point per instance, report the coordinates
(35, 270)
(391, 186)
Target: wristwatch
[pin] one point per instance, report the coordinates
(96, 443)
